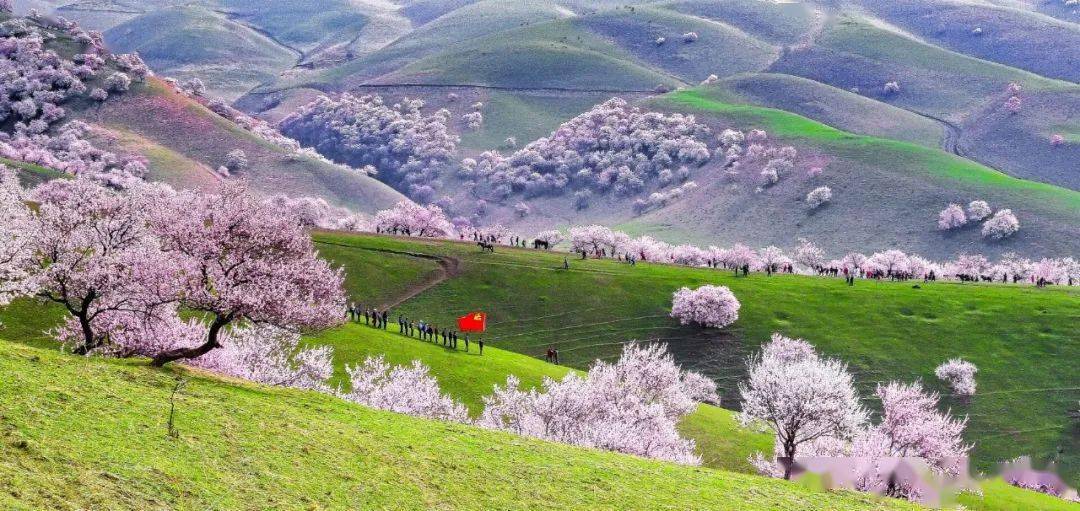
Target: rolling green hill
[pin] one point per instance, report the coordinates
(329, 454)
(1020, 337)
(193, 41)
(828, 105)
(886, 193)
(182, 141)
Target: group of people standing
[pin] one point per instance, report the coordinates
(419, 329)
(372, 317)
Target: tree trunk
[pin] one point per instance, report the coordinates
(88, 343)
(789, 453)
(165, 357)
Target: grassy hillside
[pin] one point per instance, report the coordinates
(1020, 337)
(91, 434)
(182, 140)
(1013, 36)
(451, 29)
(775, 22)
(721, 49)
(193, 41)
(555, 54)
(305, 25)
(721, 442)
(886, 193)
(828, 105)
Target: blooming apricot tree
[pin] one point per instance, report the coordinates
(710, 306)
(240, 261)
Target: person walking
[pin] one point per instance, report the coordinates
(480, 343)
(555, 353)
(384, 316)
(565, 263)
(466, 342)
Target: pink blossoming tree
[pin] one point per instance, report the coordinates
(631, 406)
(951, 217)
(709, 306)
(800, 396)
(243, 262)
(959, 374)
(403, 389)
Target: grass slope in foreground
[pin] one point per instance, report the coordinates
(468, 377)
(91, 434)
(1022, 339)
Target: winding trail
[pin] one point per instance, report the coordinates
(448, 267)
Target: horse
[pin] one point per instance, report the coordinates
(485, 246)
(541, 244)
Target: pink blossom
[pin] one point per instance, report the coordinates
(410, 390)
(632, 406)
(1002, 225)
(951, 217)
(800, 396)
(242, 261)
(978, 210)
(709, 306)
(959, 374)
(412, 219)
(17, 232)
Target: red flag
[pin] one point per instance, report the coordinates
(472, 322)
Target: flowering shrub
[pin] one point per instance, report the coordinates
(978, 210)
(1013, 104)
(632, 406)
(271, 356)
(118, 82)
(522, 209)
(1002, 225)
(710, 306)
(236, 160)
(410, 390)
(473, 120)
(818, 197)
(959, 374)
(951, 217)
(16, 238)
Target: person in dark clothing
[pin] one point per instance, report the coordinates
(550, 354)
(400, 324)
(466, 342)
(480, 343)
(565, 264)
(555, 355)
(384, 316)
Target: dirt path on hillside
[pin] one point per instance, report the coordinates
(448, 267)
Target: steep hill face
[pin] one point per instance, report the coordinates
(194, 42)
(180, 140)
